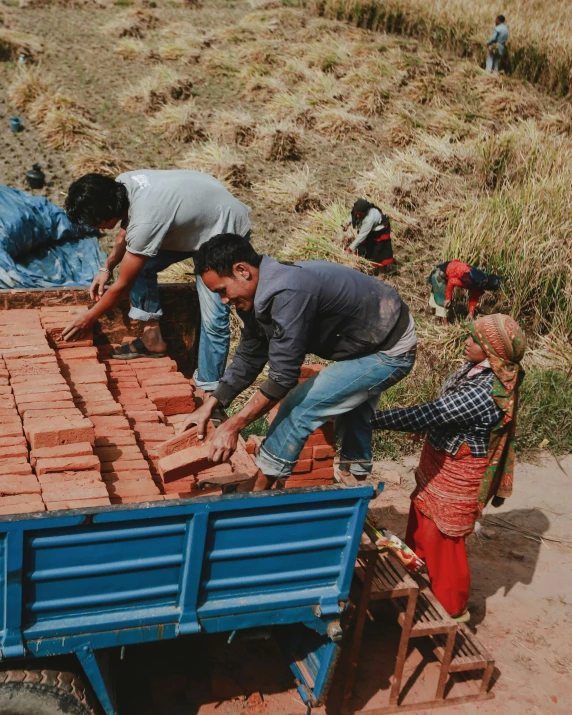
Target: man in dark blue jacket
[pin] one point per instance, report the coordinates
(290, 310)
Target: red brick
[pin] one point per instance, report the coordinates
(138, 499)
(317, 438)
(76, 503)
(302, 465)
(33, 351)
(110, 422)
(63, 450)
(5, 390)
(11, 430)
(253, 443)
(73, 490)
(33, 388)
(22, 508)
(47, 406)
(43, 397)
(322, 463)
(119, 439)
(124, 465)
(326, 474)
(131, 393)
(184, 463)
(100, 408)
(15, 465)
(13, 441)
(242, 462)
(173, 403)
(14, 450)
(32, 500)
(18, 484)
(146, 416)
(52, 378)
(90, 377)
(110, 454)
(154, 432)
(54, 432)
(166, 378)
(306, 453)
(70, 413)
(69, 353)
(323, 451)
(74, 463)
(8, 413)
(185, 440)
(135, 488)
(132, 475)
(83, 477)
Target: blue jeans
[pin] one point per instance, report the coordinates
(348, 391)
(215, 322)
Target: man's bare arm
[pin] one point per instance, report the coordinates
(131, 267)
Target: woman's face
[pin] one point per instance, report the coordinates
(473, 351)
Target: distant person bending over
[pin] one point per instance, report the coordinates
(165, 217)
(498, 39)
(290, 310)
(468, 455)
(446, 276)
(373, 241)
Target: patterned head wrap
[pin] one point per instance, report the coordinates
(504, 343)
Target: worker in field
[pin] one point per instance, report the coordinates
(446, 276)
(165, 217)
(290, 310)
(373, 240)
(468, 455)
(497, 44)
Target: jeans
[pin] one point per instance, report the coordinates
(493, 61)
(215, 322)
(348, 391)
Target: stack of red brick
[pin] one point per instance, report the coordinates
(80, 429)
(316, 462)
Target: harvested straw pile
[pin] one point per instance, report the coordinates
(97, 161)
(178, 122)
(295, 190)
(282, 142)
(61, 129)
(155, 90)
(234, 127)
(220, 160)
(13, 44)
(27, 86)
(133, 23)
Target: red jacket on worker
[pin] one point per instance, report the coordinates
(455, 272)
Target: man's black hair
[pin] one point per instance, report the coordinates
(220, 253)
(501, 18)
(95, 198)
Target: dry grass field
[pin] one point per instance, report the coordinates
(300, 112)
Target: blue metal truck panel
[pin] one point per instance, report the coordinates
(82, 580)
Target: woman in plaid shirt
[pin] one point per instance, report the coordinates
(468, 455)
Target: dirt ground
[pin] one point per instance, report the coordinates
(521, 607)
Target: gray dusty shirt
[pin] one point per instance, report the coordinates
(179, 210)
(312, 307)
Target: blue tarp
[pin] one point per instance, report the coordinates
(40, 248)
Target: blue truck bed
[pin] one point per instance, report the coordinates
(79, 581)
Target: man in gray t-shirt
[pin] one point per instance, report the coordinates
(165, 217)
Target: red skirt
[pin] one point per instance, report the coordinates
(448, 488)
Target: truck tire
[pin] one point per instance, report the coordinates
(43, 692)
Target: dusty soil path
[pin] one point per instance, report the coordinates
(522, 610)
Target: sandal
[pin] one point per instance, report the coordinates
(125, 352)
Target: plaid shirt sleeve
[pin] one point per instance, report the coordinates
(471, 405)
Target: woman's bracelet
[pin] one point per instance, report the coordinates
(106, 270)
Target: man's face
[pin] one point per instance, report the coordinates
(238, 289)
(498, 21)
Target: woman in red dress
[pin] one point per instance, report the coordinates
(468, 455)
